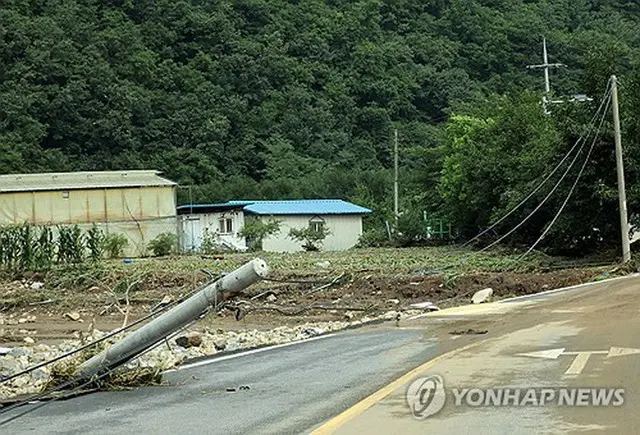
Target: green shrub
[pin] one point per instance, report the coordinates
(256, 230)
(115, 245)
(374, 238)
(310, 238)
(164, 244)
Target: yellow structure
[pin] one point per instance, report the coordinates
(138, 204)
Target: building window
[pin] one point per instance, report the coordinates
(316, 224)
(65, 194)
(225, 226)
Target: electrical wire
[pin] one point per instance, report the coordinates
(555, 187)
(105, 337)
(544, 181)
(575, 183)
(92, 380)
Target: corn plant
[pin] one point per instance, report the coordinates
(95, 243)
(71, 245)
(9, 246)
(45, 249)
(26, 243)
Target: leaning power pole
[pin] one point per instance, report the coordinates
(395, 177)
(622, 197)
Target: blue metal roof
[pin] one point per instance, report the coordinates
(303, 206)
(203, 208)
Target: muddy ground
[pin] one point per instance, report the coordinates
(39, 307)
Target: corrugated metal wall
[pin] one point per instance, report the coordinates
(140, 213)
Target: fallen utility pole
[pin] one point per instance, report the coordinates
(174, 319)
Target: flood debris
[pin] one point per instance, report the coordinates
(469, 331)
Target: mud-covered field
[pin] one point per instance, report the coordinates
(52, 306)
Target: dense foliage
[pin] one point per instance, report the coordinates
(284, 99)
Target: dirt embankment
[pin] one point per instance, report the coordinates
(34, 307)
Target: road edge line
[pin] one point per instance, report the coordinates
(339, 420)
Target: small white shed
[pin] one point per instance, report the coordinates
(217, 224)
(342, 219)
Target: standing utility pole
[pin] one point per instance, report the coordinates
(395, 177)
(547, 85)
(622, 197)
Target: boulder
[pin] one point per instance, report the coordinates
(482, 296)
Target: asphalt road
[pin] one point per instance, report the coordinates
(356, 381)
(586, 339)
(292, 389)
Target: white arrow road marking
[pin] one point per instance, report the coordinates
(547, 354)
(578, 363)
(582, 357)
(622, 351)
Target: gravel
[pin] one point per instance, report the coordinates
(168, 354)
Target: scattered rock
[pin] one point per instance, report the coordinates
(22, 320)
(29, 340)
(39, 375)
(482, 296)
(348, 315)
(426, 306)
(394, 301)
(323, 264)
(5, 350)
(192, 339)
(17, 352)
(220, 344)
(272, 298)
(74, 316)
(37, 285)
(94, 289)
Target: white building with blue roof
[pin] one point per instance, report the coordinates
(223, 222)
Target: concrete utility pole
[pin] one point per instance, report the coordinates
(622, 196)
(174, 319)
(396, 212)
(547, 85)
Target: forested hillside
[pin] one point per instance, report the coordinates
(285, 99)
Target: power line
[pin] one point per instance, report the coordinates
(575, 183)
(103, 338)
(540, 185)
(69, 383)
